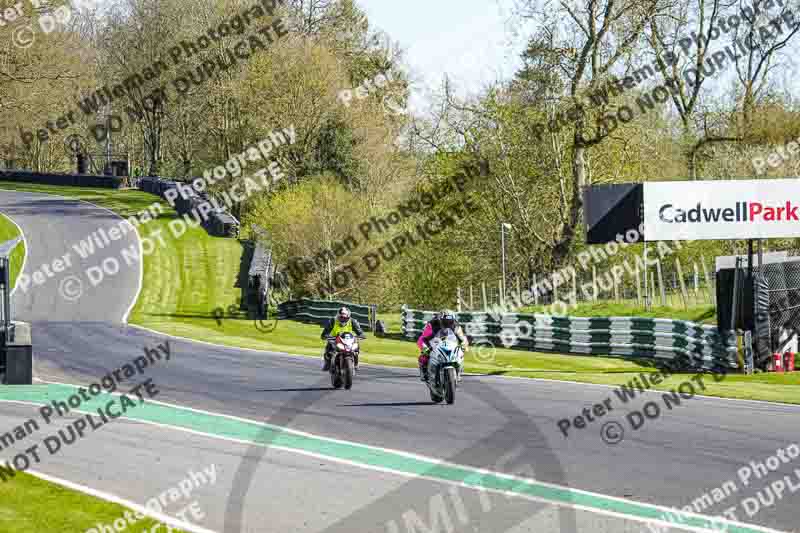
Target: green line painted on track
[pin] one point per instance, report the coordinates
(215, 425)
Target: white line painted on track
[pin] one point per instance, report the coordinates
(481, 471)
(113, 498)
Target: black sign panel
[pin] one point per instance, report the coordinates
(611, 210)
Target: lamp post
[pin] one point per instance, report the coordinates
(503, 227)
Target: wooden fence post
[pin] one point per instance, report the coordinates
(555, 291)
(638, 286)
(574, 287)
(652, 286)
(712, 293)
(661, 283)
(683, 284)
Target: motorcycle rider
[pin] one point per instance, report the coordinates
(432, 325)
(341, 323)
(442, 320)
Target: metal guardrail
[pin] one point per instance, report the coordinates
(682, 343)
(320, 311)
(259, 278)
(219, 223)
(54, 178)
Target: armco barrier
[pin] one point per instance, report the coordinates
(259, 277)
(320, 311)
(219, 223)
(75, 180)
(680, 343)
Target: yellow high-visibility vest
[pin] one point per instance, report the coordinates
(339, 328)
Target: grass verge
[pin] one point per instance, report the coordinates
(185, 281)
(9, 231)
(705, 314)
(28, 503)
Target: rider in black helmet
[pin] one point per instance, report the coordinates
(443, 320)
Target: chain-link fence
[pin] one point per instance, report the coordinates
(778, 305)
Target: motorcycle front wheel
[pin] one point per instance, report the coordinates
(336, 376)
(449, 384)
(349, 372)
(435, 398)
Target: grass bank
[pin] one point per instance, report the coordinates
(28, 503)
(705, 314)
(8, 231)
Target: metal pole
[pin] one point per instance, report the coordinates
(735, 303)
(108, 140)
(503, 258)
(646, 294)
(7, 299)
(502, 295)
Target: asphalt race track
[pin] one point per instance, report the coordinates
(309, 482)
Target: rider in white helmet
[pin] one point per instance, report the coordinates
(341, 323)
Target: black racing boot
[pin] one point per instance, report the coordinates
(326, 367)
(423, 372)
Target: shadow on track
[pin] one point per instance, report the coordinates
(307, 389)
(389, 404)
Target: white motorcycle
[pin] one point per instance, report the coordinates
(444, 366)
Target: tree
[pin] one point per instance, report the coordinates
(583, 43)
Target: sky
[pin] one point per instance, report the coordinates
(474, 42)
(470, 40)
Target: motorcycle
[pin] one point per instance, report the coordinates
(343, 361)
(444, 366)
